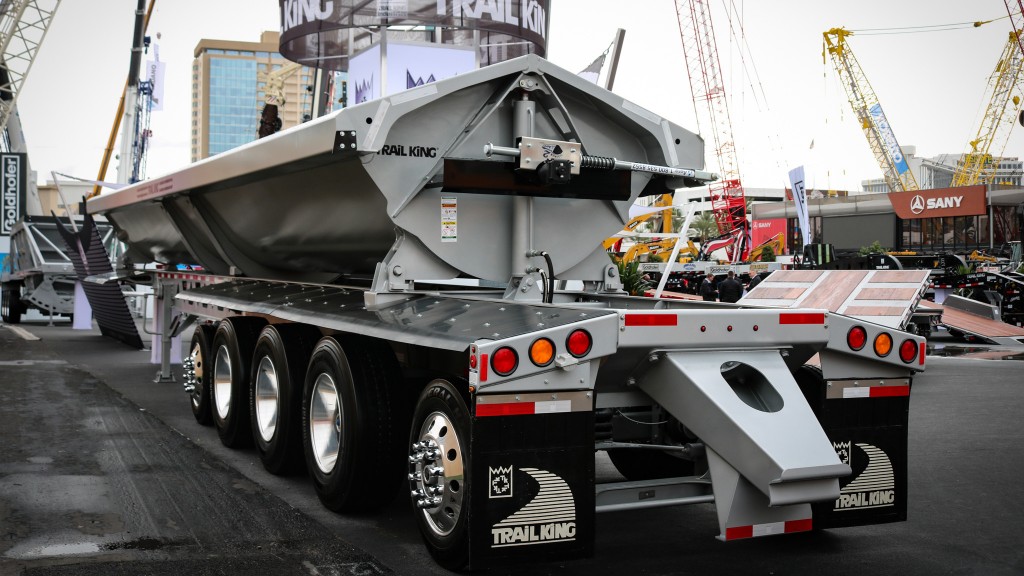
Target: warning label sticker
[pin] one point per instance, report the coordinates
(449, 219)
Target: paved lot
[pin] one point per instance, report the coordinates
(103, 471)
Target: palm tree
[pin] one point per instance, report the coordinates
(704, 226)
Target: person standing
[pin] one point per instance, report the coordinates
(755, 279)
(730, 289)
(707, 288)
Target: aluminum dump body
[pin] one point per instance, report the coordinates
(326, 200)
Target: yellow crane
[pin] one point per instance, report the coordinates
(977, 166)
(864, 101)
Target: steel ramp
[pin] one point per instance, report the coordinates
(748, 409)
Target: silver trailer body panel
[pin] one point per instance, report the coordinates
(327, 199)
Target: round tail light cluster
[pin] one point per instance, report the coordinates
(505, 360)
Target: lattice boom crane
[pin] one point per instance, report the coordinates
(711, 106)
(976, 166)
(873, 122)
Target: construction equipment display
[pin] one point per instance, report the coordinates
(411, 294)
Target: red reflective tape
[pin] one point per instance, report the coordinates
(504, 409)
(652, 320)
(798, 526)
(802, 318)
(889, 391)
(738, 532)
(921, 361)
(483, 367)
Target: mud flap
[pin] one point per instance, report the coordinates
(867, 425)
(533, 495)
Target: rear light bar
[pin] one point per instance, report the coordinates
(883, 344)
(542, 353)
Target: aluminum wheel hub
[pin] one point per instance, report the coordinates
(436, 474)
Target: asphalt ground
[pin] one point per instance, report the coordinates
(103, 471)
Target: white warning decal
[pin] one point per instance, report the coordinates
(875, 487)
(449, 219)
(549, 517)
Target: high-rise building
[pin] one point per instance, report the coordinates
(227, 96)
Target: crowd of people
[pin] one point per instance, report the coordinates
(731, 289)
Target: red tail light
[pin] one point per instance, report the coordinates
(856, 338)
(504, 361)
(579, 343)
(908, 351)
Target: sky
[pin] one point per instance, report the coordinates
(787, 109)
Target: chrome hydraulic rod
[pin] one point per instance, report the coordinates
(601, 162)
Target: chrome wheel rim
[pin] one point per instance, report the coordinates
(197, 375)
(437, 475)
(222, 382)
(267, 398)
(325, 423)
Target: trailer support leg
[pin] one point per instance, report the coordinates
(743, 511)
(162, 317)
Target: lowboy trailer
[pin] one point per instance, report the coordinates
(411, 292)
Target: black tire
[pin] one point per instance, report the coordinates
(647, 464)
(232, 348)
(11, 304)
(199, 350)
(275, 394)
(353, 423)
(440, 437)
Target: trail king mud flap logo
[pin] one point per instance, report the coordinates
(549, 517)
(874, 487)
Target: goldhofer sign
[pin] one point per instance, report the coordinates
(12, 189)
(966, 201)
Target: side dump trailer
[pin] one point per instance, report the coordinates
(411, 293)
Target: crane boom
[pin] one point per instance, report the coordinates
(23, 26)
(1015, 8)
(866, 106)
(700, 50)
(976, 166)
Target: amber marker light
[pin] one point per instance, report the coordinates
(542, 351)
(883, 344)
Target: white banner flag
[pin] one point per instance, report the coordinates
(796, 180)
(155, 70)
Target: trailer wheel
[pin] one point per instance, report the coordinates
(232, 349)
(11, 304)
(275, 396)
(199, 350)
(647, 464)
(353, 418)
(439, 464)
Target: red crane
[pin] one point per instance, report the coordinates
(710, 104)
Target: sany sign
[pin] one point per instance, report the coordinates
(965, 201)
